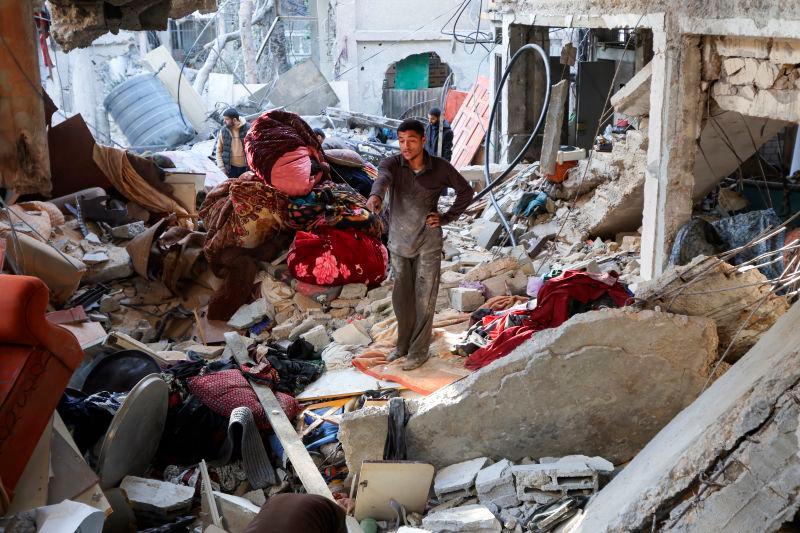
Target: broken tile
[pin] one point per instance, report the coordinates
(458, 477)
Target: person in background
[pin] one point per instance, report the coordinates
(414, 180)
(230, 144)
(432, 134)
(320, 135)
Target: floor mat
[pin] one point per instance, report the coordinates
(442, 369)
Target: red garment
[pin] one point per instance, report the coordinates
(275, 133)
(226, 390)
(332, 256)
(551, 311)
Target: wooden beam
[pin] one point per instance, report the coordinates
(362, 119)
(295, 449)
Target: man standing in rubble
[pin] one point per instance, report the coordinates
(230, 144)
(435, 121)
(414, 180)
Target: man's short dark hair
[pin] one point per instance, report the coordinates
(231, 112)
(435, 111)
(318, 131)
(412, 124)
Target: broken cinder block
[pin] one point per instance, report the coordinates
(458, 479)
(495, 485)
(318, 337)
(466, 300)
(548, 482)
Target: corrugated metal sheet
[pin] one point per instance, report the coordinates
(400, 104)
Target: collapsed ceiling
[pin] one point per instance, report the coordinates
(76, 23)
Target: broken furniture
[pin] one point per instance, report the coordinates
(37, 361)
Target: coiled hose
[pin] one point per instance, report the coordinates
(491, 184)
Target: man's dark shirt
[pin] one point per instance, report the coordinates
(413, 196)
(432, 139)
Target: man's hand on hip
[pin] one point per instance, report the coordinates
(433, 220)
(374, 204)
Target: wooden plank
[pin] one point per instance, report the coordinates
(471, 123)
(303, 464)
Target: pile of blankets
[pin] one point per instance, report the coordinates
(291, 195)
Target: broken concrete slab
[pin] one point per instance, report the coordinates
(488, 269)
(159, 497)
(486, 233)
(466, 300)
(236, 511)
(722, 293)
(610, 378)
(252, 313)
(549, 481)
(495, 485)
(117, 266)
(472, 518)
(634, 97)
(128, 231)
(458, 478)
(318, 337)
(551, 142)
(731, 455)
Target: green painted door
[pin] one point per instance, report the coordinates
(412, 72)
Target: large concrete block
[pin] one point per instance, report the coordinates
(472, 518)
(731, 456)
(601, 384)
(723, 293)
(465, 299)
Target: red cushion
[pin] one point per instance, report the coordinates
(331, 256)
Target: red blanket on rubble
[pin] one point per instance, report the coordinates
(331, 256)
(551, 311)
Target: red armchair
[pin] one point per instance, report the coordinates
(37, 359)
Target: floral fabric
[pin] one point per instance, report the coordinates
(332, 205)
(275, 133)
(332, 256)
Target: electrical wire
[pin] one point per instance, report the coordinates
(490, 185)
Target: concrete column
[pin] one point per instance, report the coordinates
(675, 116)
(24, 159)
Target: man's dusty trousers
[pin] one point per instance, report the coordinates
(416, 286)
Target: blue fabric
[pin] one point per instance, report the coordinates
(531, 203)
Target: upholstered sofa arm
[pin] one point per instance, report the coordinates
(23, 304)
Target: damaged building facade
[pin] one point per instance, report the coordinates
(615, 339)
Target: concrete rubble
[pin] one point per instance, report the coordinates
(670, 405)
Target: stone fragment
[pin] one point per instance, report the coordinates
(305, 326)
(318, 337)
(353, 291)
(117, 266)
(251, 313)
(611, 379)
(486, 233)
(158, 497)
(450, 279)
(379, 293)
(722, 287)
(472, 518)
(283, 329)
(351, 335)
(459, 477)
(92, 258)
(466, 300)
(449, 251)
(341, 303)
(740, 433)
(766, 74)
(109, 304)
(631, 244)
(492, 268)
(495, 485)
(236, 511)
(128, 231)
(304, 303)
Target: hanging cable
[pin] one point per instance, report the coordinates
(490, 185)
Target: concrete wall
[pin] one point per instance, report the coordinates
(370, 35)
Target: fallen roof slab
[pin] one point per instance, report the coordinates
(732, 414)
(603, 383)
